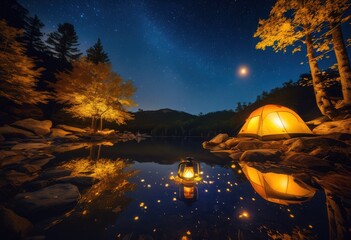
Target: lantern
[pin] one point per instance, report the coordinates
(189, 170)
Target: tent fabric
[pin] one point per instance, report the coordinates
(277, 187)
(272, 122)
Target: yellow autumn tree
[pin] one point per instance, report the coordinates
(95, 91)
(18, 74)
(294, 23)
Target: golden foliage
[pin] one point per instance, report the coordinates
(100, 169)
(291, 20)
(112, 177)
(18, 72)
(94, 90)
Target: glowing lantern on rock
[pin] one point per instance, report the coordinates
(189, 170)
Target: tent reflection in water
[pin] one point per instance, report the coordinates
(272, 122)
(277, 187)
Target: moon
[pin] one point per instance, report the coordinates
(243, 71)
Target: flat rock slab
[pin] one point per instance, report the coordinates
(69, 147)
(48, 201)
(11, 160)
(261, 155)
(340, 126)
(10, 132)
(306, 144)
(41, 162)
(30, 146)
(70, 128)
(40, 128)
(249, 145)
(55, 173)
(58, 133)
(80, 181)
(17, 178)
(305, 161)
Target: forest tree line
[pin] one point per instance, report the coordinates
(52, 72)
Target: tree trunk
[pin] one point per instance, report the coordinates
(95, 151)
(94, 123)
(343, 63)
(100, 127)
(322, 100)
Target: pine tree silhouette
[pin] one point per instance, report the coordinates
(33, 35)
(96, 53)
(63, 43)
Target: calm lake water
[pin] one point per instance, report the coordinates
(151, 205)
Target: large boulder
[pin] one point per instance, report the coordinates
(71, 129)
(48, 201)
(219, 138)
(40, 128)
(261, 155)
(13, 226)
(13, 132)
(340, 126)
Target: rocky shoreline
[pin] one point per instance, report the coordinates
(321, 162)
(34, 185)
(317, 156)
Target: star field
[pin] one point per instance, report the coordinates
(180, 54)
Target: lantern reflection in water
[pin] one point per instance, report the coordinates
(188, 192)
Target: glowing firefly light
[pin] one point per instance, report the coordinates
(244, 215)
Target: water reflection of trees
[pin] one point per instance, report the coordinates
(104, 200)
(285, 185)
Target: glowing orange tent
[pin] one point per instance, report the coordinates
(277, 187)
(272, 122)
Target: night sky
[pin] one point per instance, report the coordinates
(180, 54)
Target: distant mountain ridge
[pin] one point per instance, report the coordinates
(168, 122)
